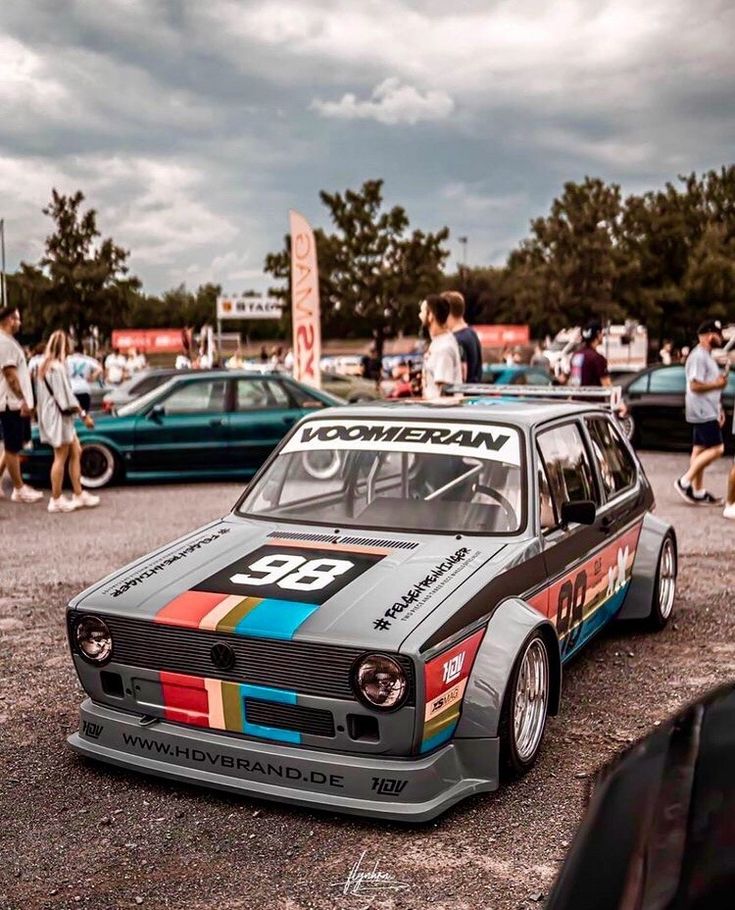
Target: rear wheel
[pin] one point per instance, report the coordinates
(99, 465)
(523, 719)
(664, 588)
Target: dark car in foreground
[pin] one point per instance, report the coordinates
(655, 402)
(210, 424)
(385, 637)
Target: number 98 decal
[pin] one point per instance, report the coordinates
(293, 572)
(570, 609)
(308, 575)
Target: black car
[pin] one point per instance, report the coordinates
(655, 400)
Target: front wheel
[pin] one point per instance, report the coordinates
(99, 465)
(526, 704)
(664, 588)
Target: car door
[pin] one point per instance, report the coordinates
(186, 429)
(567, 475)
(263, 412)
(658, 407)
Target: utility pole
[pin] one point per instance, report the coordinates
(463, 265)
(3, 289)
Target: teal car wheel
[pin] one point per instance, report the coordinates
(99, 465)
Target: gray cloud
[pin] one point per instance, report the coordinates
(193, 127)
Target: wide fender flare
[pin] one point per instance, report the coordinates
(639, 599)
(510, 626)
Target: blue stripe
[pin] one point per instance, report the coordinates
(265, 693)
(275, 619)
(438, 738)
(607, 610)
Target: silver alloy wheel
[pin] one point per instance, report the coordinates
(98, 465)
(530, 700)
(322, 465)
(666, 579)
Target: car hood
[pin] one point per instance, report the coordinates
(357, 588)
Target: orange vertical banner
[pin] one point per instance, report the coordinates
(307, 330)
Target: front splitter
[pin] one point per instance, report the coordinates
(413, 789)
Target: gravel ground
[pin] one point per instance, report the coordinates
(76, 834)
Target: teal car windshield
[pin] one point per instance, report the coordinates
(396, 474)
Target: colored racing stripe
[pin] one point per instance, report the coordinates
(255, 617)
(221, 705)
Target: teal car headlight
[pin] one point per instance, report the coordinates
(94, 639)
(380, 682)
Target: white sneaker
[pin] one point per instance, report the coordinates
(26, 494)
(86, 500)
(729, 511)
(61, 505)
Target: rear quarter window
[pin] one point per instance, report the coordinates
(617, 469)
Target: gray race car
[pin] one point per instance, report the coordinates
(379, 626)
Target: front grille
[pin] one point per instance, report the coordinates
(313, 669)
(289, 717)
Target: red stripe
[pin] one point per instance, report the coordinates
(185, 699)
(189, 608)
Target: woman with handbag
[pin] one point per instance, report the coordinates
(57, 407)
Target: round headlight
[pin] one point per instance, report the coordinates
(380, 682)
(94, 639)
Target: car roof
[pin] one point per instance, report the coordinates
(522, 413)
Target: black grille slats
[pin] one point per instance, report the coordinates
(314, 721)
(312, 669)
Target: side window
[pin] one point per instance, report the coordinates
(671, 380)
(617, 468)
(567, 464)
(640, 385)
(260, 394)
(197, 398)
(303, 399)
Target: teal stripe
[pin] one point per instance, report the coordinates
(265, 693)
(595, 621)
(275, 619)
(441, 737)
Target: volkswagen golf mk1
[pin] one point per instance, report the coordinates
(380, 624)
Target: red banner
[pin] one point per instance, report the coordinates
(307, 333)
(500, 336)
(150, 341)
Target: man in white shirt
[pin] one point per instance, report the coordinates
(83, 371)
(16, 402)
(115, 366)
(442, 362)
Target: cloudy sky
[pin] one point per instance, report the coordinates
(194, 125)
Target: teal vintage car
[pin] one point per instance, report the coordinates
(212, 424)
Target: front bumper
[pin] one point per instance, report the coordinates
(415, 789)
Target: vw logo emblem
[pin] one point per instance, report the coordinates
(223, 657)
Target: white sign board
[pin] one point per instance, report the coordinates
(237, 307)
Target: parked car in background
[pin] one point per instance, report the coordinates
(350, 388)
(133, 388)
(208, 424)
(518, 374)
(655, 401)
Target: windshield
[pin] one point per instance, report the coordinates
(394, 474)
(137, 405)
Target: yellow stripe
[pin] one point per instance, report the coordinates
(229, 622)
(216, 614)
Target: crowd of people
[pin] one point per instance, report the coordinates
(52, 385)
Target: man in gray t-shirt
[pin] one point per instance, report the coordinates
(703, 409)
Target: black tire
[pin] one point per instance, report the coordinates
(664, 586)
(515, 759)
(100, 465)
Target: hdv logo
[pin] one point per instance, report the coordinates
(453, 667)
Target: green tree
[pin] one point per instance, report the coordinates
(372, 270)
(87, 281)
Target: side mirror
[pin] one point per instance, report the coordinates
(582, 512)
(156, 412)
